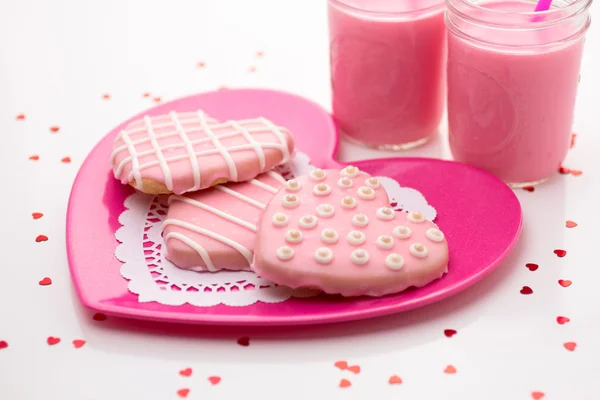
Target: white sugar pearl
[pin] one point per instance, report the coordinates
(308, 222)
(345, 182)
(317, 175)
(385, 213)
(373, 183)
(402, 232)
(394, 261)
(356, 238)
(350, 171)
(280, 219)
(360, 220)
(293, 185)
(416, 217)
(359, 256)
(385, 242)
(323, 255)
(293, 236)
(325, 210)
(290, 201)
(285, 253)
(322, 189)
(366, 193)
(348, 202)
(418, 250)
(329, 236)
(435, 235)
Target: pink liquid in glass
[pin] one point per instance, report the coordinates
(510, 107)
(387, 69)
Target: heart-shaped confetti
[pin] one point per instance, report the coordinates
(37, 215)
(562, 320)
(563, 170)
(54, 129)
(183, 393)
(78, 343)
(146, 94)
(570, 346)
(395, 380)
(66, 160)
(341, 365)
(3, 344)
(106, 96)
(537, 395)
(34, 157)
(21, 117)
(344, 383)
(573, 137)
(214, 380)
(157, 99)
(354, 369)
(99, 317)
(260, 54)
(529, 188)
(576, 172)
(334, 230)
(450, 369)
(186, 372)
(526, 290)
(244, 341)
(532, 266)
(201, 64)
(449, 332)
(560, 253)
(564, 282)
(45, 282)
(41, 238)
(570, 224)
(52, 340)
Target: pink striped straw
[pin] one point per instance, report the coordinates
(543, 5)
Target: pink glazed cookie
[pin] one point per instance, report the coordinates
(334, 230)
(214, 229)
(185, 152)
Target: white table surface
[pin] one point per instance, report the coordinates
(59, 58)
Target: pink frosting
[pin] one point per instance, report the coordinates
(189, 151)
(376, 261)
(215, 228)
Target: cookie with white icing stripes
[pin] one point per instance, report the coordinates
(185, 152)
(341, 236)
(215, 228)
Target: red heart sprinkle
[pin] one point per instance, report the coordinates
(354, 369)
(34, 157)
(78, 343)
(186, 372)
(537, 395)
(146, 94)
(3, 344)
(395, 380)
(450, 370)
(344, 383)
(570, 346)
(449, 332)
(99, 317)
(52, 340)
(564, 282)
(106, 96)
(214, 379)
(560, 253)
(244, 341)
(21, 117)
(45, 282)
(201, 64)
(532, 266)
(573, 137)
(183, 393)
(54, 129)
(260, 53)
(341, 365)
(526, 290)
(576, 172)
(252, 69)
(41, 238)
(156, 99)
(37, 215)
(529, 188)
(570, 224)
(563, 170)
(66, 160)
(562, 320)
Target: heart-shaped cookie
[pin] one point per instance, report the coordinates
(185, 152)
(214, 229)
(334, 230)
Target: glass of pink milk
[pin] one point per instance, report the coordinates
(387, 70)
(512, 83)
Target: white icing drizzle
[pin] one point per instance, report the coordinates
(293, 236)
(190, 150)
(402, 232)
(360, 220)
(418, 250)
(321, 189)
(359, 256)
(240, 196)
(214, 211)
(350, 171)
(260, 153)
(284, 253)
(325, 210)
(317, 175)
(263, 185)
(323, 255)
(435, 235)
(276, 176)
(329, 236)
(280, 219)
(164, 166)
(348, 202)
(366, 193)
(233, 172)
(213, 235)
(356, 238)
(416, 217)
(293, 185)
(196, 247)
(394, 261)
(308, 222)
(345, 182)
(290, 201)
(373, 183)
(277, 132)
(385, 213)
(385, 242)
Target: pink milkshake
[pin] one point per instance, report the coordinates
(387, 70)
(512, 84)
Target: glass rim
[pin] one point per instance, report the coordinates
(342, 4)
(572, 6)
